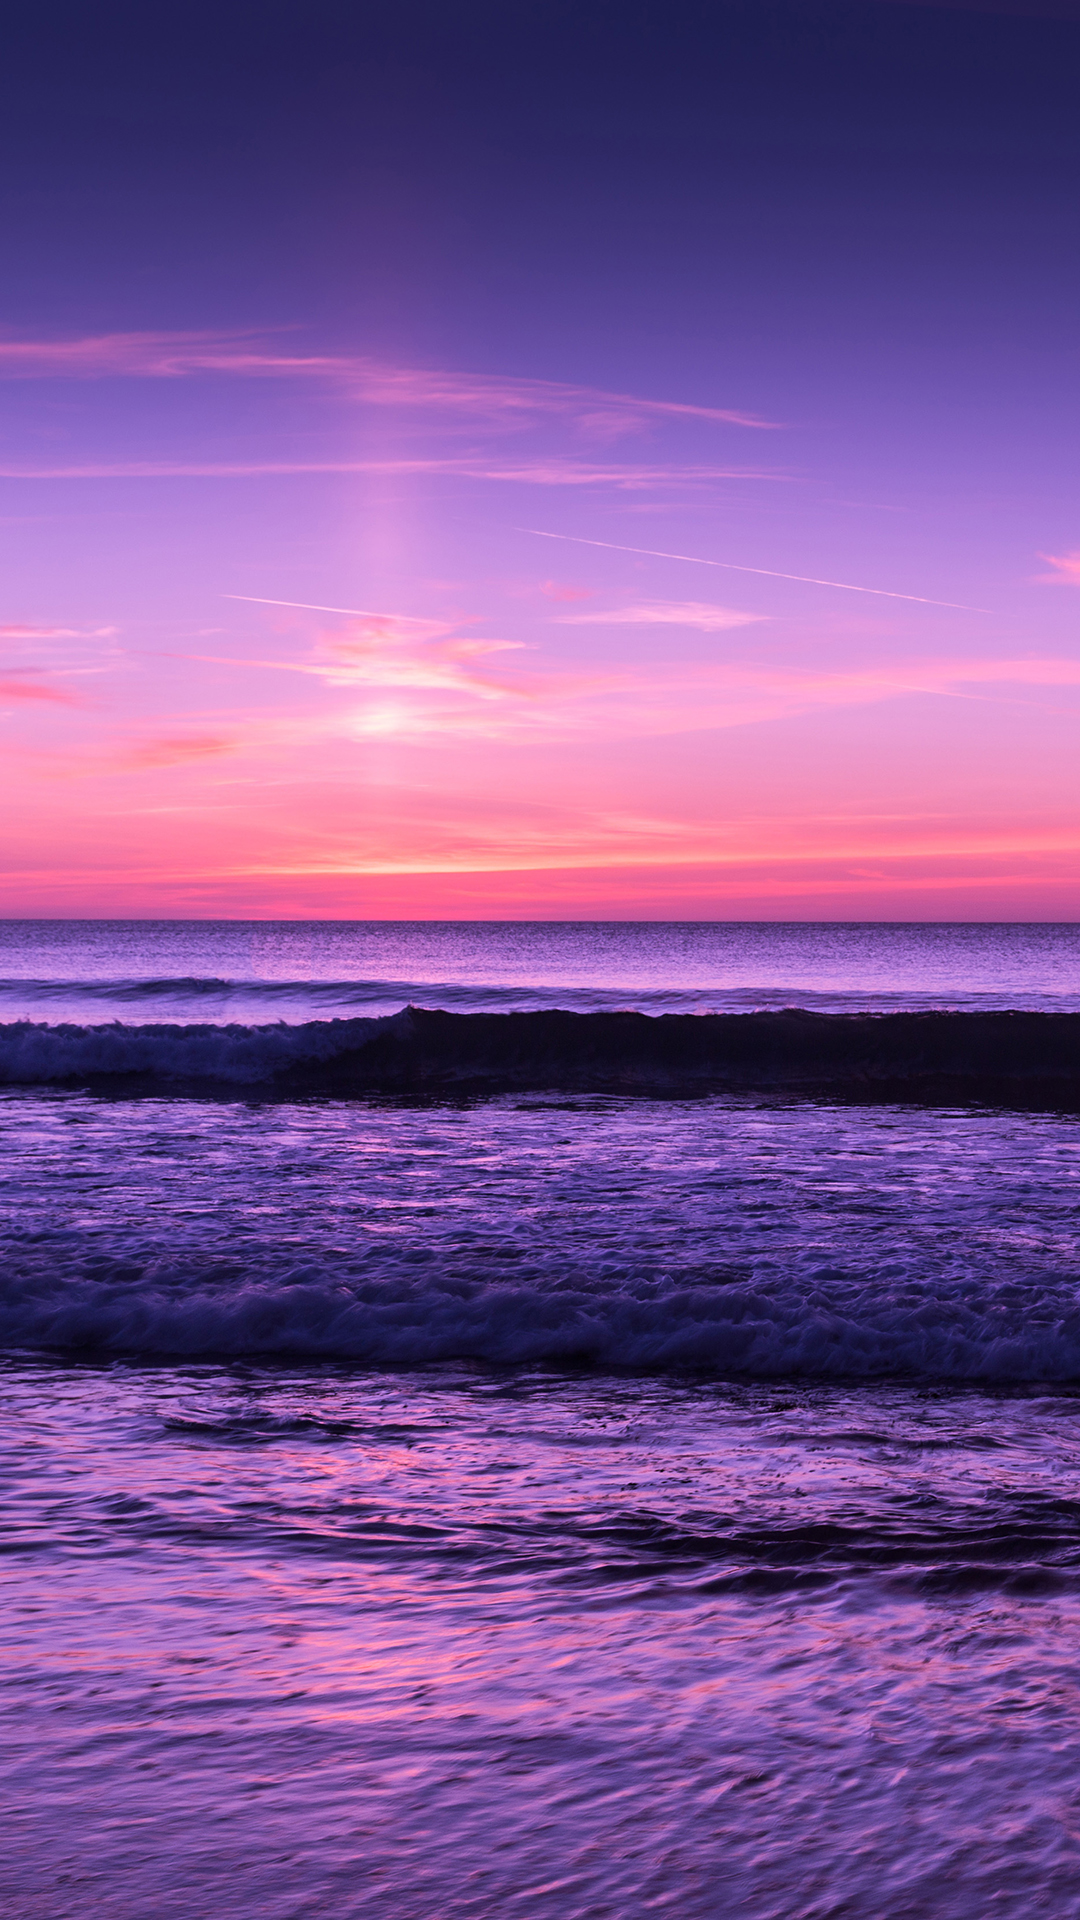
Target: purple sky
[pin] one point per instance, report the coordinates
(565, 459)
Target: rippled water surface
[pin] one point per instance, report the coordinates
(751, 1238)
(311, 1641)
(574, 1508)
(256, 971)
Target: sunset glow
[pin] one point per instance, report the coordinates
(626, 599)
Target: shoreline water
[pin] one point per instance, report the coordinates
(446, 1499)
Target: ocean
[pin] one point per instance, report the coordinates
(549, 1502)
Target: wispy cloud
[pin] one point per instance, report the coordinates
(96, 356)
(25, 683)
(374, 382)
(421, 676)
(665, 613)
(1032, 671)
(560, 590)
(1066, 569)
(173, 750)
(630, 477)
(410, 677)
(20, 632)
(387, 650)
(150, 754)
(400, 651)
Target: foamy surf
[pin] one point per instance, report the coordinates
(788, 1325)
(743, 1240)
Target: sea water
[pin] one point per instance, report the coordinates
(259, 971)
(541, 1505)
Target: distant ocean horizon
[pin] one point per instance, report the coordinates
(261, 971)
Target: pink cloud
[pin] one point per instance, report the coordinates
(554, 590)
(493, 396)
(407, 655)
(56, 633)
(377, 383)
(400, 651)
(147, 356)
(660, 613)
(17, 683)
(1066, 570)
(423, 676)
(579, 473)
(174, 750)
(419, 677)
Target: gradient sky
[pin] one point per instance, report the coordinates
(574, 460)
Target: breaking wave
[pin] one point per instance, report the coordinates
(1013, 1059)
(36, 1054)
(743, 1238)
(404, 1310)
(183, 998)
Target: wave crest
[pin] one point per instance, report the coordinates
(35, 1054)
(384, 1311)
(1011, 1059)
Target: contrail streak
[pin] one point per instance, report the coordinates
(731, 566)
(259, 600)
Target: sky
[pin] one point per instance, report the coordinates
(582, 460)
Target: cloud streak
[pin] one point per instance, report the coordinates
(537, 473)
(22, 683)
(666, 613)
(406, 677)
(174, 750)
(1066, 570)
(172, 356)
(19, 632)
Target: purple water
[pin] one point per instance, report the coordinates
(562, 1507)
(262, 971)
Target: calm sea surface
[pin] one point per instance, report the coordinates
(535, 1506)
(258, 971)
